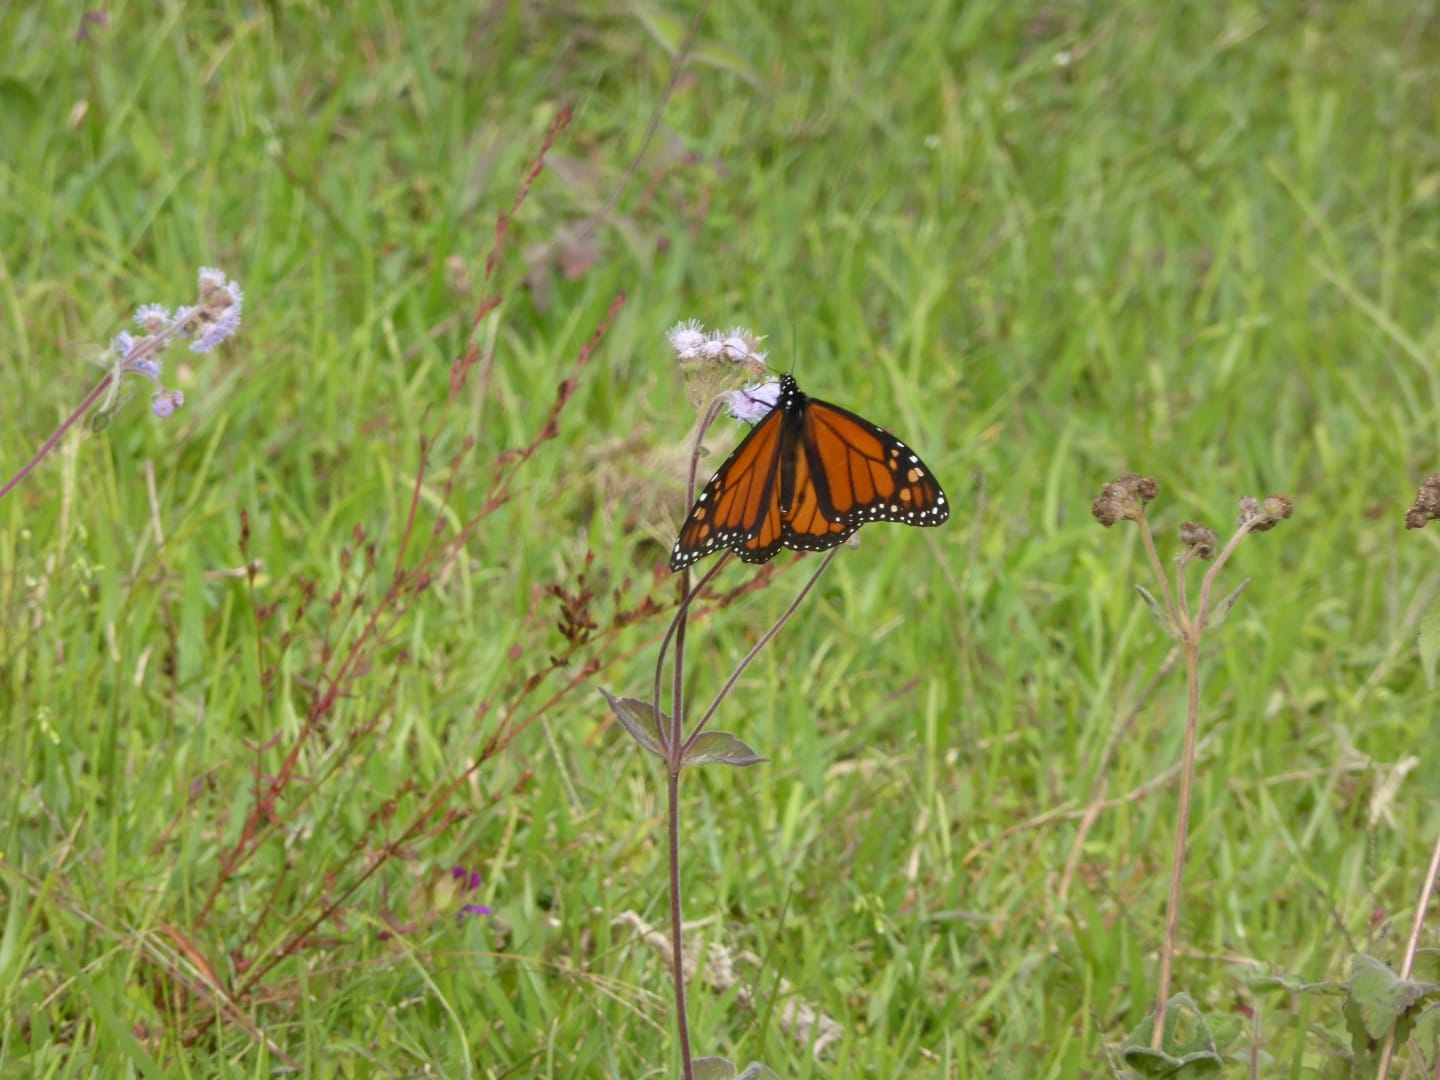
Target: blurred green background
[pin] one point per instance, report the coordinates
(1045, 242)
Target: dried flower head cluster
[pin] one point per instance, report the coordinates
(728, 363)
(1199, 540)
(1261, 517)
(1427, 504)
(213, 318)
(1124, 499)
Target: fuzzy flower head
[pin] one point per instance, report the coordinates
(716, 361)
(686, 339)
(163, 403)
(152, 318)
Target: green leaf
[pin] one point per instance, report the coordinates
(1187, 1050)
(713, 1068)
(668, 30)
(1259, 979)
(1425, 1036)
(717, 1068)
(1371, 987)
(638, 718)
(1158, 610)
(1380, 999)
(727, 59)
(1221, 611)
(721, 747)
(1430, 645)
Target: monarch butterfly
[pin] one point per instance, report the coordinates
(807, 476)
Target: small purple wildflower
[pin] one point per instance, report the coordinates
(471, 878)
(152, 318)
(686, 339)
(754, 403)
(89, 19)
(163, 403)
(145, 366)
(470, 881)
(735, 347)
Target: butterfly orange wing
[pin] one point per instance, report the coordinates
(806, 477)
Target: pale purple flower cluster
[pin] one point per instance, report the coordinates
(214, 317)
(738, 346)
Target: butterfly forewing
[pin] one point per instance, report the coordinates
(741, 496)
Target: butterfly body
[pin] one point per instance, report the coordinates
(806, 477)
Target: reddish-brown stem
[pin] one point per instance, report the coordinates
(677, 940)
(1182, 830)
(54, 440)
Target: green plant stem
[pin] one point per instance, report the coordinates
(1182, 829)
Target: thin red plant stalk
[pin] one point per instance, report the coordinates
(54, 440)
(267, 795)
(676, 746)
(1182, 832)
(674, 751)
(677, 941)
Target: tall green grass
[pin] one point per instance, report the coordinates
(1048, 243)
